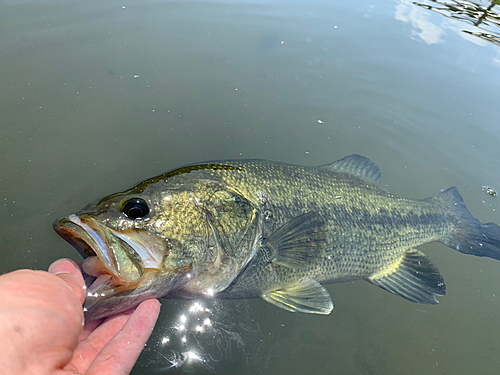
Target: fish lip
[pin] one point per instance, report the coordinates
(75, 230)
(116, 295)
(76, 236)
(92, 238)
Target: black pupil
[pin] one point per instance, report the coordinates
(136, 208)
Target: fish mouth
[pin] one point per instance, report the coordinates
(121, 268)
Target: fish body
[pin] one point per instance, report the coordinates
(257, 228)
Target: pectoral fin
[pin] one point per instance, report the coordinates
(415, 277)
(307, 296)
(297, 242)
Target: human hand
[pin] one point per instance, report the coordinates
(42, 326)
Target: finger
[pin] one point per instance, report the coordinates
(96, 339)
(68, 271)
(88, 328)
(120, 354)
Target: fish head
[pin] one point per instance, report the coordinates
(163, 235)
(127, 257)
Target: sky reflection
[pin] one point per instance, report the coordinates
(481, 20)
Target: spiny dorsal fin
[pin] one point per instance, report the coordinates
(297, 242)
(307, 296)
(356, 165)
(415, 278)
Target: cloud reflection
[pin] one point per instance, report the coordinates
(496, 59)
(481, 19)
(419, 20)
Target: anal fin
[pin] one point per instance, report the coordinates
(307, 296)
(415, 278)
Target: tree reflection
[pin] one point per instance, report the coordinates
(484, 15)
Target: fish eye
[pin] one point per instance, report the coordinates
(135, 208)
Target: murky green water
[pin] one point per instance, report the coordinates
(96, 96)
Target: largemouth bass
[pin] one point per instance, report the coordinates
(256, 228)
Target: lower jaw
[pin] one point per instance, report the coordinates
(101, 283)
(89, 280)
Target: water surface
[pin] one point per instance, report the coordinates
(97, 96)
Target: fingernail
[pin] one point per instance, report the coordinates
(63, 266)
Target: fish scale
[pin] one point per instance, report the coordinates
(257, 228)
(365, 238)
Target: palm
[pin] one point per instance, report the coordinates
(41, 324)
(113, 345)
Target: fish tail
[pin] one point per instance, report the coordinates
(467, 234)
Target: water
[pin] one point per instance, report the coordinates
(97, 96)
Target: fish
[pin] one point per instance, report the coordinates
(241, 229)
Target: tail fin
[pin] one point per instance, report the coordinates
(467, 234)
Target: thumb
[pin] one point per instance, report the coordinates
(69, 272)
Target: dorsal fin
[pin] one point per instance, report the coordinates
(356, 165)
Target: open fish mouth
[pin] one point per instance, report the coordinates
(121, 268)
